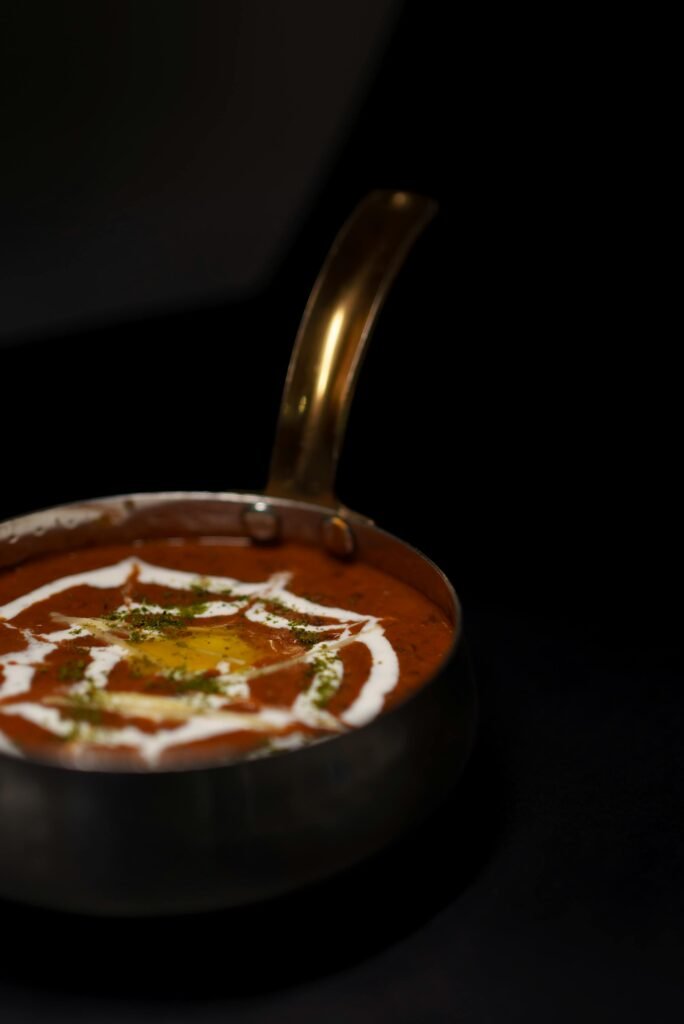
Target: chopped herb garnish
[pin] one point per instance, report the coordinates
(199, 682)
(233, 596)
(84, 707)
(139, 622)
(304, 636)
(157, 621)
(322, 667)
(191, 610)
(141, 667)
(72, 671)
(200, 588)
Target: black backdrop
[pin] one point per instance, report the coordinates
(518, 419)
(517, 392)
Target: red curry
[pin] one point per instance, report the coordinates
(166, 652)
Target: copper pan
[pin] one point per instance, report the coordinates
(129, 842)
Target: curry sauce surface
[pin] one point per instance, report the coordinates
(186, 650)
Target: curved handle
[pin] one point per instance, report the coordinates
(331, 340)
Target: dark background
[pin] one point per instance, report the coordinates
(171, 183)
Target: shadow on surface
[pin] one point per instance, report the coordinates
(317, 931)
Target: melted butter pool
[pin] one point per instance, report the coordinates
(200, 649)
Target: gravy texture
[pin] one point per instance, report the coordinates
(163, 653)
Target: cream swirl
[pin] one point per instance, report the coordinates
(213, 716)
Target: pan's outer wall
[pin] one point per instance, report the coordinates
(177, 841)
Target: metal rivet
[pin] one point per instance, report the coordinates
(261, 522)
(338, 537)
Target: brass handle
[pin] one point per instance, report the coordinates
(332, 337)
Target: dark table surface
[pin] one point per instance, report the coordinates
(549, 888)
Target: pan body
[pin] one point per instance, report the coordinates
(130, 843)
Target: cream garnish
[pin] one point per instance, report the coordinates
(18, 668)
(7, 747)
(383, 678)
(201, 716)
(109, 577)
(103, 660)
(326, 680)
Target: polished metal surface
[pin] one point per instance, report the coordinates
(154, 842)
(351, 287)
(338, 537)
(261, 522)
(131, 842)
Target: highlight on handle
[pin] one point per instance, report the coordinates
(337, 322)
